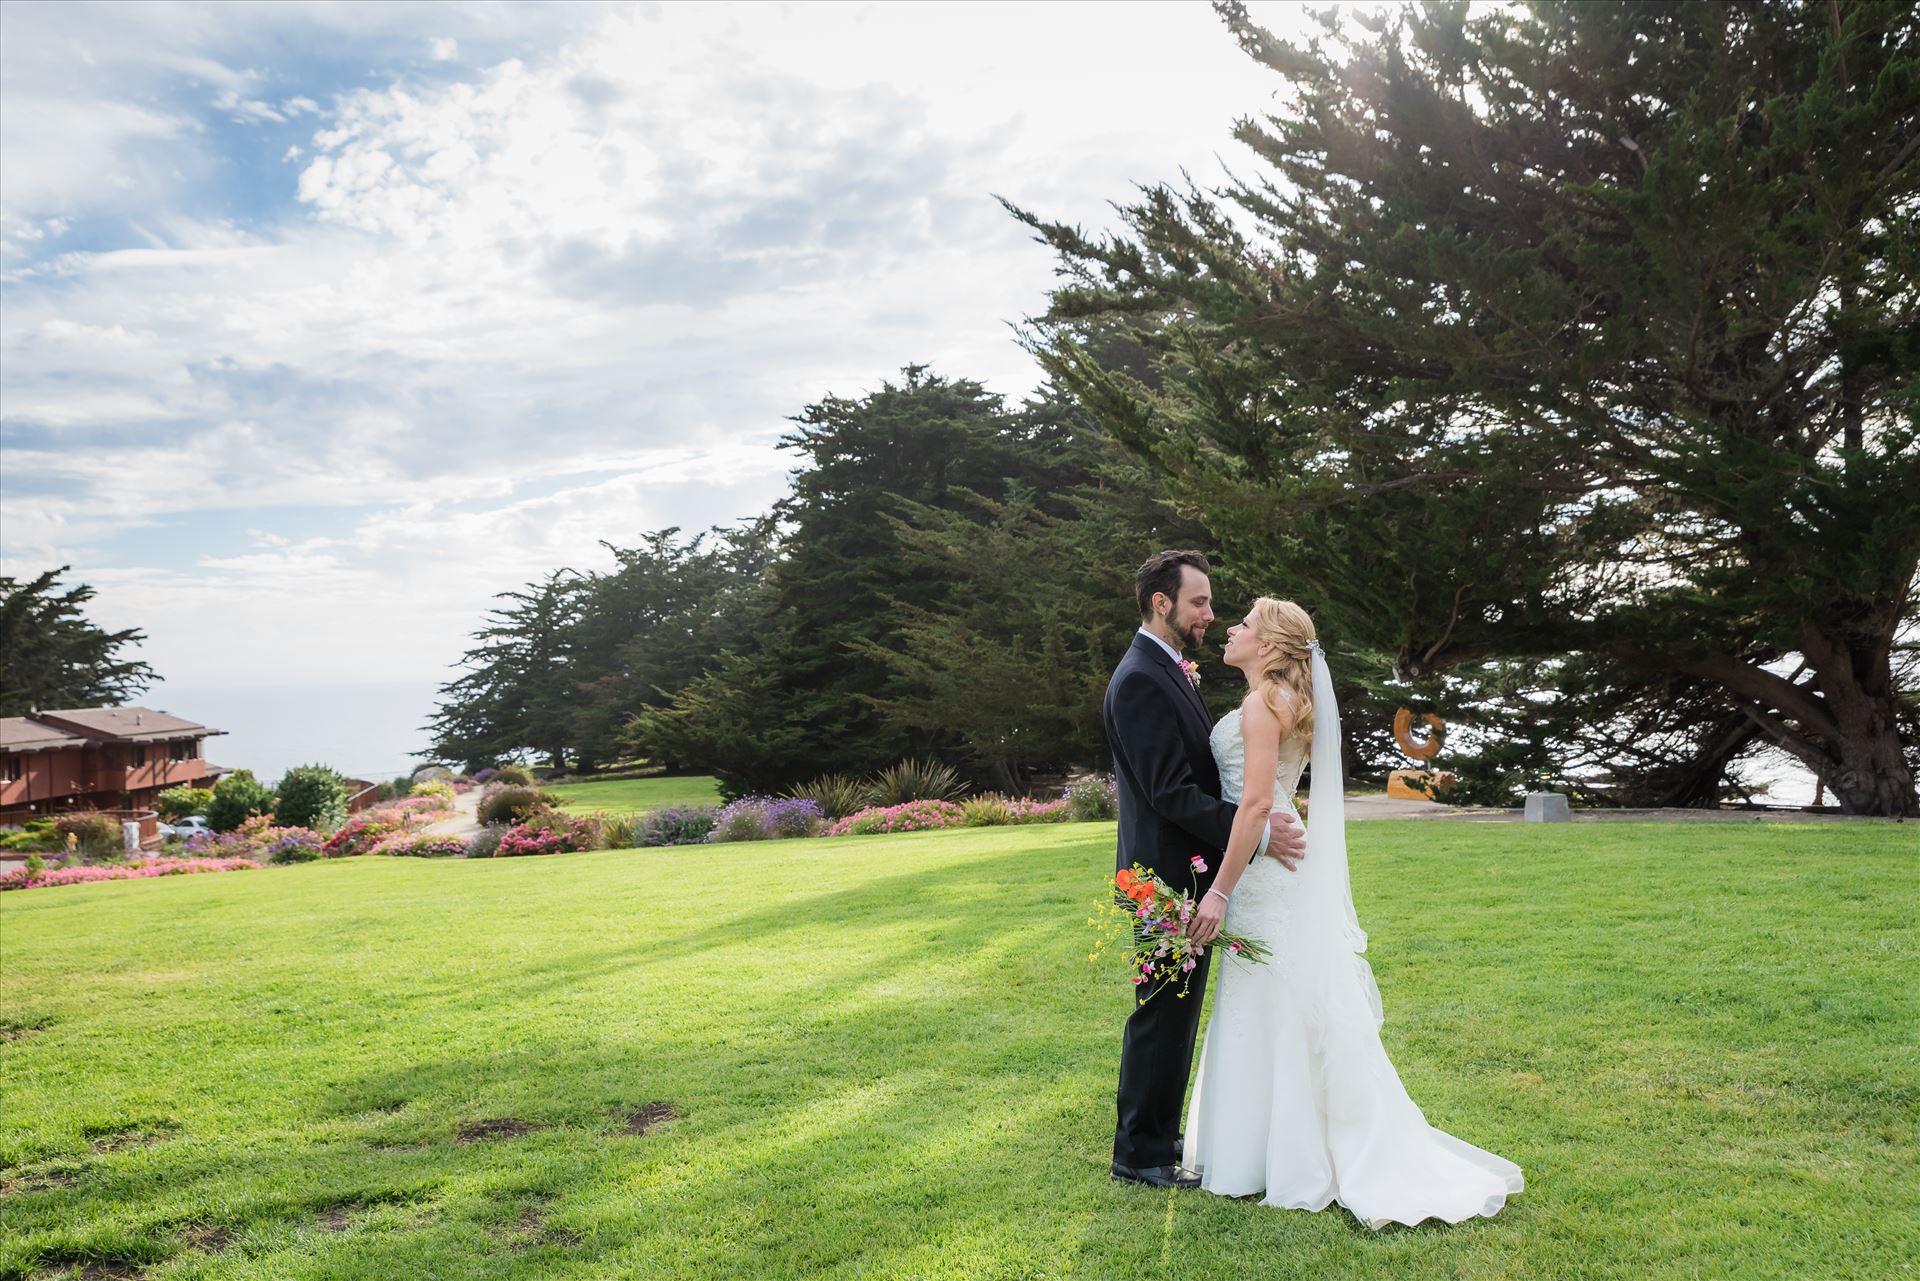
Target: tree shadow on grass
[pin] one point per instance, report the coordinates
(930, 897)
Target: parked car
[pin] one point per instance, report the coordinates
(183, 828)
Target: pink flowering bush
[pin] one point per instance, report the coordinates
(1027, 810)
(420, 845)
(914, 816)
(549, 835)
(81, 874)
(361, 834)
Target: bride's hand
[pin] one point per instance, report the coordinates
(1204, 927)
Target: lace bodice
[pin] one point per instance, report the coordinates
(1230, 754)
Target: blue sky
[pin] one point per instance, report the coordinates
(321, 324)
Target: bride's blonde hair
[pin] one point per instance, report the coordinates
(1289, 667)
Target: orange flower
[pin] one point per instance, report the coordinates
(1124, 879)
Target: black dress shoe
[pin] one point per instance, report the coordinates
(1157, 1176)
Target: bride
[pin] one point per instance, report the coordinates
(1295, 1096)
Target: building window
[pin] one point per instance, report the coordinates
(181, 749)
(140, 756)
(14, 767)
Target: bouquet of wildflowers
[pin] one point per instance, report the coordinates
(1154, 916)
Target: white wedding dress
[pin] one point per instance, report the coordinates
(1295, 1097)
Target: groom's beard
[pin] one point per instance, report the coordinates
(1192, 634)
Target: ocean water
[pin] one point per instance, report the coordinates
(363, 730)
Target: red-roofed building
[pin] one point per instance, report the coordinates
(98, 758)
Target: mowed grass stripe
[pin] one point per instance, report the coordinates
(889, 1057)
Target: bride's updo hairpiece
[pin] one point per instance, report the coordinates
(1289, 667)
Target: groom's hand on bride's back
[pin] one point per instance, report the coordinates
(1289, 840)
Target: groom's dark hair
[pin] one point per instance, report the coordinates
(1162, 573)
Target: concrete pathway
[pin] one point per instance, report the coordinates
(465, 821)
(1382, 806)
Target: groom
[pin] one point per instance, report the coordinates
(1170, 812)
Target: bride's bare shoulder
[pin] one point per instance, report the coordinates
(1257, 717)
(1274, 710)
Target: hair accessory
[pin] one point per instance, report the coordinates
(1314, 646)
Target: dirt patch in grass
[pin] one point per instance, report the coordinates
(502, 1127)
(648, 1117)
(209, 1238)
(335, 1218)
(38, 1180)
(15, 1029)
(70, 1266)
(135, 1134)
(530, 1229)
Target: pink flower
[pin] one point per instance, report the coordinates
(1190, 964)
(1199, 864)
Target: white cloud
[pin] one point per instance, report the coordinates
(566, 296)
(444, 49)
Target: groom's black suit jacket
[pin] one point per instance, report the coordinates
(1170, 806)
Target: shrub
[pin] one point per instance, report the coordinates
(513, 804)
(178, 802)
(514, 774)
(92, 833)
(486, 775)
(549, 835)
(1094, 797)
(292, 845)
(678, 825)
(762, 818)
(42, 839)
(425, 808)
(312, 796)
(81, 874)
(237, 797)
(437, 788)
(1026, 810)
(914, 781)
(915, 816)
(420, 845)
(618, 830)
(837, 795)
(361, 834)
(986, 811)
(486, 842)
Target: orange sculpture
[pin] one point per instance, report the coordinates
(1418, 784)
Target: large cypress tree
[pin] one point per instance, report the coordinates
(520, 691)
(795, 696)
(51, 656)
(1568, 333)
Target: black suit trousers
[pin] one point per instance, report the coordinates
(1156, 1057)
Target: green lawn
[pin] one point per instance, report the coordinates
(624, 795)
(889, 1057)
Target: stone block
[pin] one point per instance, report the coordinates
(1547, 807)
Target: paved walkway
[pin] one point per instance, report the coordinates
(465, 821)
(1382, 806)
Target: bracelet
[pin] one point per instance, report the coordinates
(1212, 891)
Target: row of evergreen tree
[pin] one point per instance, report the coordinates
(951, 576)
(1560, 359)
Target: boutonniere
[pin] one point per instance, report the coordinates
(1192, 669)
